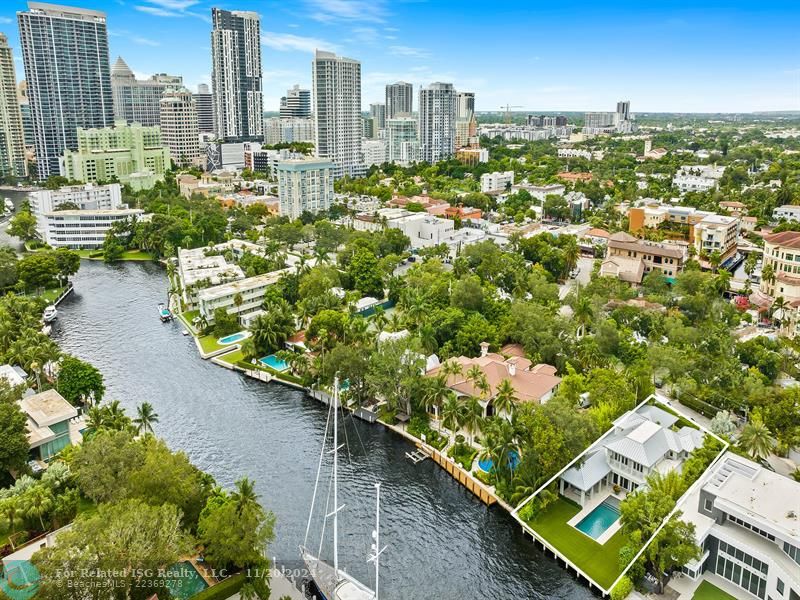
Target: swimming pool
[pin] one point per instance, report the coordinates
(184, 581)
(234, 337)
(20, 581)
(273, 362)
(487, 464)
(601, 518)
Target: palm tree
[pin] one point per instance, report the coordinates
(451, 367)
(245, 496)
(145, 419)
(779, 304)
(415, 308)
(714, 259)
(505, 398)
(10, 508)
(452, 413)
(768, 273)
(271, 329)
(238, 300)
(479, 381)
(437, 393)
(379, 318)
(248, 348)
(756, 438)
(750, 264)
(473, 417)
(571, 254)
(36, 502)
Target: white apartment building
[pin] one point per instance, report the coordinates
(304, 185)
(401, 137)
(498, 181)
(746, 523)
(524, 132)
(241, 297)
(337, 111)
(423, 230)
(85, 197)
(787, 212)
(82, 228)
(278, 130)
(374, 152)
(574, 153)
(540, 192)
(697, 178)
(717, 233)
(437, 119)
(198, 271)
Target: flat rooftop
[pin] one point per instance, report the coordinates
(47, 408)
(757, 491)
(241, 286)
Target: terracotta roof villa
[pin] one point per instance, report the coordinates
(532, 383)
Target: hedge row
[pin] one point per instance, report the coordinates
(223, 590)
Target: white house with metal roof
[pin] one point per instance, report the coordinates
(640, 442)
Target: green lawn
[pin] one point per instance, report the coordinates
(209, 343)
(51, 294)
(600, 562)
(187, 317)
(708, 591)
(127, 255)
(232, 357)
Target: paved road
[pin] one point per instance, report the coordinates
(585, 265)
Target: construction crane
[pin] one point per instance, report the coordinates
(507, 108)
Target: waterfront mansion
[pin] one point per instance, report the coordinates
(641, 441)
(747, 522)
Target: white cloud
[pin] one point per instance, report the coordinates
(6, 20)
(288, 42)
(143, 41)
(171, 8)
(179, 5)
(408, 51)
(373, 11)
(158, 12)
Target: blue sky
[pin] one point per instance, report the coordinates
(730, 56)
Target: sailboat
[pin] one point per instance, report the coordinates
(332, 582)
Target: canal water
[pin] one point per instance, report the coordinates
(442, 542)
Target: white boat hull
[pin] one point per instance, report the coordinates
(343, 587)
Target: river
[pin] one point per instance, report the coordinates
(442, 542)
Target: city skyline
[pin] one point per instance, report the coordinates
(676, 59)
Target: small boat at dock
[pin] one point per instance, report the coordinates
(164, 313)
(50, 314)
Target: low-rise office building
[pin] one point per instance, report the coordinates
(82, 229)
(497, 181)
(630, 259)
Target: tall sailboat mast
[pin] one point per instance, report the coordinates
(376, 536)
(336, 475)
